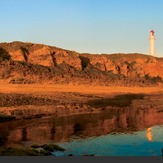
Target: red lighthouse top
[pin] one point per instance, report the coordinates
(152, 31)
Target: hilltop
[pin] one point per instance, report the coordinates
(27, 63)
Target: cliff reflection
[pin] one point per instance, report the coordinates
(52, 133)
(62, 129)
(24, 134)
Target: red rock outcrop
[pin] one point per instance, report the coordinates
(67, 66)
(41, 54)
(69, 57)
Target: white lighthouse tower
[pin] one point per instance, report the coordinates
(152, 43)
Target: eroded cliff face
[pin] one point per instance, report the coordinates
(129, 65)
(40, 54)
(42, 63)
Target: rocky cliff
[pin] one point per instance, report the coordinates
(37, 63)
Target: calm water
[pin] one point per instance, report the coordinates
(110, 133)
(136, 144)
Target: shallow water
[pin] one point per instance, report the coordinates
(135, 144)
(116, 132)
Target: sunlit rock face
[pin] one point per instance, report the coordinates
(42, 63)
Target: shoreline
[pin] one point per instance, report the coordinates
(41, 100)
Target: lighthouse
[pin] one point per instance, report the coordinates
(152, 43)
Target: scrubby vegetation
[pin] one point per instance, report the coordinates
(4, 55)
(8, 100)
(4, 118)
(117, 101)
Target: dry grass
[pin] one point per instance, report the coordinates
(86, 89)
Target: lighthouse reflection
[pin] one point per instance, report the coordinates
(63, 129)
(149, 134)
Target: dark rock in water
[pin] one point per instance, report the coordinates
(70, 155)
(89, 155)
(52, 147)
(49, 147)
(46, 149)
(35, 146)
(45, 153)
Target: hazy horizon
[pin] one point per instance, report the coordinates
(85, 26)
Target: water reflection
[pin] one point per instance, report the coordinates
(4, 133)
(53, 131)
(77, 129)
(24, 134)
(63, 129)
(149, 134)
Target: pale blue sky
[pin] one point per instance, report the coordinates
(94, 26)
